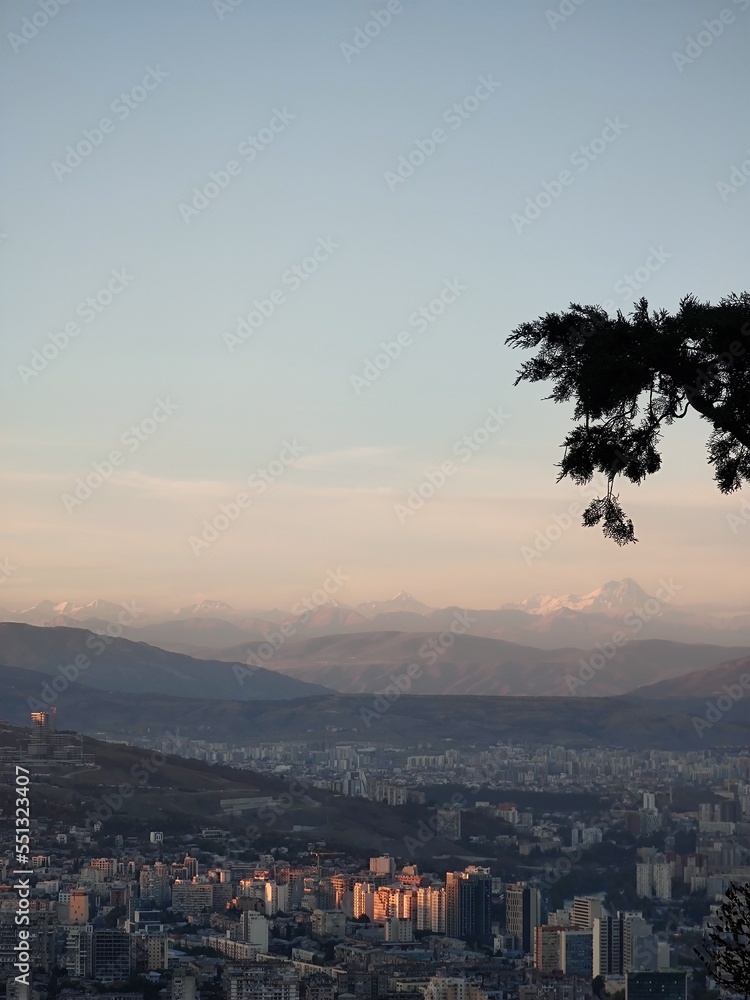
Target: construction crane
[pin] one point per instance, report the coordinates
(324, 854)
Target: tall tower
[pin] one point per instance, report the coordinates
(41, 740)
(523, 913)
(468, 902)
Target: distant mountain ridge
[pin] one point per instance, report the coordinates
(707, 683)
(543, 621)
(437, 663)
(476, 665)
(615, 597)
(62, 655)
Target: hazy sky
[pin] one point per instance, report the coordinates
(315, 106)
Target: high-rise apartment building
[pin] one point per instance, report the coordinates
(577, 951)
(78, 906)
(546, 950)
(78, 950)
(277, 898)
(193, 898)
(191, 866)
(468, 904)
(656, 986)
(430, 909)
(184, 987)
(384, 865)
(112, 955)
(254, 929)
(261, 984)
(585, 910)
(607, 946)
(634, 930)
(155, 885)
(523, 913)
(653, 879)
(564, 949)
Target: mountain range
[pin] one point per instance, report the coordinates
(55, 657)
(543, 621)
(426, 663)
(595, 646)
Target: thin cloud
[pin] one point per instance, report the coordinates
(366, 455)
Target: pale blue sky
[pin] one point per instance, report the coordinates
(323, 177)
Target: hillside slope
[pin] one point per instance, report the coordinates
(108, 664)
(353, 664)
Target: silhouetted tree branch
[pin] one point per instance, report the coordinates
(726, 951)
(630, 376)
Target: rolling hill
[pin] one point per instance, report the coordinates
(179, 796)
(134, 667)
(411, 720)
(707, 683)
(472, 664)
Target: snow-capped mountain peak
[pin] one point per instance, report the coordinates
(614, 598)
(401, 602)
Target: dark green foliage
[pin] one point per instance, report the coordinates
(726, 949)
(630, 376)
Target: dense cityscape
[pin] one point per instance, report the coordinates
(489, 897)
(309, 303)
